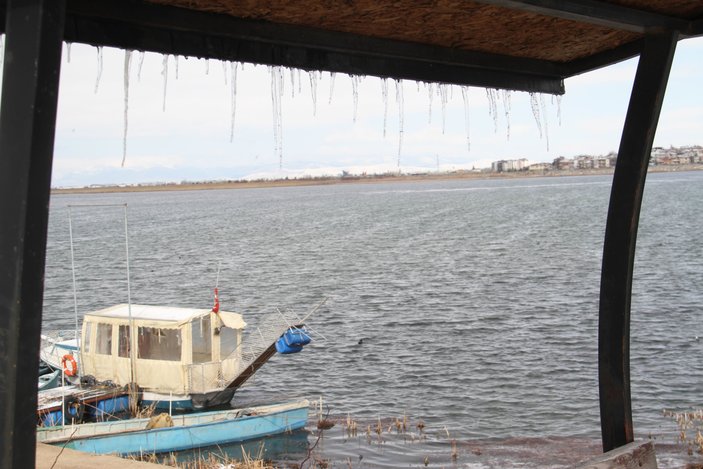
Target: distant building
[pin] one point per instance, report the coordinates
(613, 158)
(540, 167)
(583, 162)
(660, 156)
(509, 165)
(562, 163)
(602, 162)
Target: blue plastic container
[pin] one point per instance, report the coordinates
(52, 419)
(296, 337)
(283, 348)
(110, 406)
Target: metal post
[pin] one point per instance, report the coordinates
(34, 30)
(621, 235)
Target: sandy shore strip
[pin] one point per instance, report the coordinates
(386, 178)
(56, 457)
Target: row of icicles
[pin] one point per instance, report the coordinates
(277, 76)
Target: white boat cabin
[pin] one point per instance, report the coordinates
(177, 350)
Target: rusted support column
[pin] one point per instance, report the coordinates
(34, 30)
(621, 235)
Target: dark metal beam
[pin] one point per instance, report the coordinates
(621, 235)
(599, 13)
(696, 28)
(603, 59)
(27, 120)
(138, 25)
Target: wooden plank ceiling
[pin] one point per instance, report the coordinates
(513, 28)
(527, 45)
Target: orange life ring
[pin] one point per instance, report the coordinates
(73, 368)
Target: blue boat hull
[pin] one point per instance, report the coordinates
(175, 438)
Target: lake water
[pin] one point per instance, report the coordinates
(475, 302)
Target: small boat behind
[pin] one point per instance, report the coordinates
(49, 380)
(165, 433)
(60, 350)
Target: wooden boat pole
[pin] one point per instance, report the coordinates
(620, 237)
(34, 31)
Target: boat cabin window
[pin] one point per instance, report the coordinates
(202, 339)
(103, 339)
(123, 345)
(228, 341)
(87, 346)
(159, 344)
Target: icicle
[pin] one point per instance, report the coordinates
(233, 66)
(384, 93)
(68, 52)
(313, 90)
(2, 52)
(224, 71)
(141, 63)
(492, 107)
(276, 101)
(100, 68)
(300, 81)
(535, 112)
(443, 95)
(127, 66)
(506, 110)
(559, 109)
(282, 82)
(164, 72)
(292, 82)
(176, 60)
(430, 95)
(332, 76)
(355, 79)
(207, 66)
(465, 96)
(543, 108)
(401, 116)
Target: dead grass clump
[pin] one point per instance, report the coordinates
(325, 424)
(690, 427)
(211, 461)
(351, 426)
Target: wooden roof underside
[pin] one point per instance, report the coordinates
(529, 45)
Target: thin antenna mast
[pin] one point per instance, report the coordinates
(132, 336)
(75, 295)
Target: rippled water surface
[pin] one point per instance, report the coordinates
(475, 302)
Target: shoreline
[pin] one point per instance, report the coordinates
(224, 185)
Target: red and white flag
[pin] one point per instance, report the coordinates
(216, 306)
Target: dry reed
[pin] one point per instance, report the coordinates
(211, 461)
(690, 427)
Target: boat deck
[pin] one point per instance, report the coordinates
(52, 399)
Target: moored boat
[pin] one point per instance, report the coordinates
(178, 357)
(170, 357)
(164, 432)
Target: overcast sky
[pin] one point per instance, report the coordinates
(190, 138)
